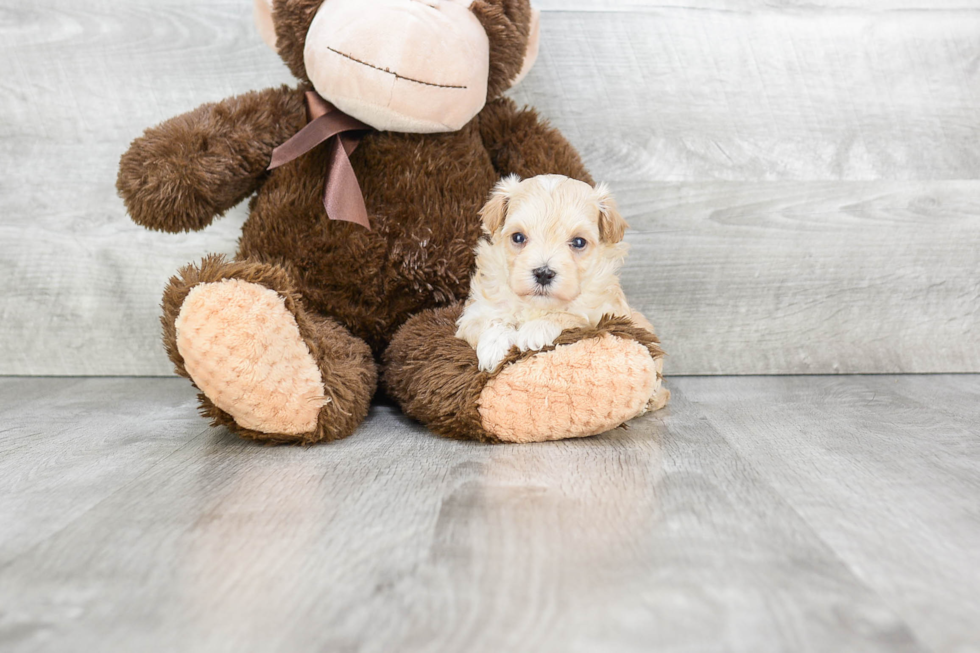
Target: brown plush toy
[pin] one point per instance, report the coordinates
(287, 342)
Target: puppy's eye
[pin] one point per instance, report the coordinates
(518, 238)
(579, 243)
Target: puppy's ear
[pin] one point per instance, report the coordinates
(494, 212)
(612, 225)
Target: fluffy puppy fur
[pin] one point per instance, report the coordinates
(549, 262)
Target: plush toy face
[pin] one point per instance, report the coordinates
(405, 65)
(410, 65)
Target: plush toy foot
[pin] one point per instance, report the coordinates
(265, 367)
(591, 381)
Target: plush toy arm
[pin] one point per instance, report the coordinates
(183, 173)
(519, 142)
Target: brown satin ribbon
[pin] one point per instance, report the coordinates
(342, 196)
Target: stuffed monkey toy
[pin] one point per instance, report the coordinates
(366, 181)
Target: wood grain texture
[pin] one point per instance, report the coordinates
(67, 444)
(884, 469)
(829, 277)
(754, 514)
(82, 283)
(749, 94)
(681, 92)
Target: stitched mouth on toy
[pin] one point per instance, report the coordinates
(391, 72)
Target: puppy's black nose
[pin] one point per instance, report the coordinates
(544, 275)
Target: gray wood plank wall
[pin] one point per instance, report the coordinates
(803, 179)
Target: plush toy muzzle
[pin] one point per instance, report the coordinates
(419, 66)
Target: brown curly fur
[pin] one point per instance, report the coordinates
(423, 193)
(181, 175)
(435, 376)
(292, 19)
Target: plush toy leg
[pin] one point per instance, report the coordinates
(592, 381)
(267, 369)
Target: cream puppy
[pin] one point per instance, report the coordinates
(549, 263)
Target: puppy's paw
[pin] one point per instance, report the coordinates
(537, 334)
(494, 344)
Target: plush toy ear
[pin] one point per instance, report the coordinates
(612, 225)
(533, 45)
(494, 212)
(263, 21)
(508, 26)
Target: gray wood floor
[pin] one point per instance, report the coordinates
(755, 514)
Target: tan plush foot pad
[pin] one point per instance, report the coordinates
(243, 349)
(575, 390)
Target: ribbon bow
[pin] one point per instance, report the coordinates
(342, 196)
